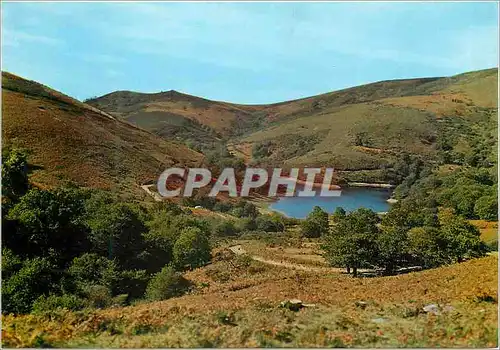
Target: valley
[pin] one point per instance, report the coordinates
(92, 256)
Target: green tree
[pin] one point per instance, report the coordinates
(14, 174)
(49, 223)
(462, 239)
(338, 214)
(116, 231)
(427, 246)
(164, 228)
(270, 223)
(486, 208)
(316, 223)
(192, 249)
(392, 246)
(36, 277)
(166, 284)
(91, 268)
(352, 242)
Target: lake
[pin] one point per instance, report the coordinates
(351, 199)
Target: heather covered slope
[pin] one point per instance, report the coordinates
(371, 130)
(73, 142)
(364, 128)
(244, 311)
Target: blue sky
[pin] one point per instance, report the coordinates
(243, 52)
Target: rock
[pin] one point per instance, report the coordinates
(292, 304)
(448, 308)
(379, 320)
(361, 304)
(432, 309)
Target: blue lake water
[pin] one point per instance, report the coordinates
(351, 199)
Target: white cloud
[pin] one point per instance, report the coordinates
(15, 38)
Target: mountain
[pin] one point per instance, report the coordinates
(358, 130)
(71, 141)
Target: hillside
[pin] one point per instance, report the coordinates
(172, 114)
(73, 142)
(243, 310)
(360, 129)
(369, 130)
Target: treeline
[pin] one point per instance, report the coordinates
(78, 248)
(400, 239)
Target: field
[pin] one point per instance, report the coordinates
(236, 302)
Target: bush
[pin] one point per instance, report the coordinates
(91, 268)
(486, 208)
(192, 249)
(35, 278)
(53, 302)
(226, 228)
(316, 223)
(133, 283)
(270, 223)
(97, 296)
(166, 284)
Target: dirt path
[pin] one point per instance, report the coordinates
(155, 195)
(238, 249)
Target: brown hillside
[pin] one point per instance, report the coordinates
(73, 142)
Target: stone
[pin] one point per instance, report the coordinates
(432, 309)
(361, 304)
(292, 304)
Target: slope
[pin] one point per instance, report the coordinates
(368, 127)
(73, 142)
(243, 311)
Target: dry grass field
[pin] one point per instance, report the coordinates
(235, 302)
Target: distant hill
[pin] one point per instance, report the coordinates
(367, 126)
(363, 128)
(74, 142)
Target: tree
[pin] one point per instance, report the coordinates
(486, 208)
(164, 228)
(270, 223)
(91, 268)
(427, 246)
(14, 174)
(392, 246)
(338, 214)
(116, 231)
(49, 223)
(352, 241)
(316, 223)
(166, 284)
(225, 228)
(462, 239)
(36, 277)
(192, 249)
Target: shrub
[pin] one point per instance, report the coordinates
(192, 249)
(270, 223)
(226, 228)
(166, 284)
(316, 223)
(53, 302)
(97, 296)
(35, 278)
(486, 208)
(91, 268)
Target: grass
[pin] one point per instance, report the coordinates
(488, 229)
(242, 310)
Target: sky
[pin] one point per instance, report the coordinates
(243, 52)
